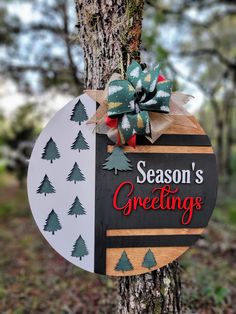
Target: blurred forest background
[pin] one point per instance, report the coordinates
(41, 68)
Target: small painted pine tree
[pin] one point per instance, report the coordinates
(76, 208)
(80, 143)
(52, 223)
(124, 263)
(79, 248)
(118, 161)
(46, 187)
(75, 174)
(79, 113)
(149, 260)
(50, 151)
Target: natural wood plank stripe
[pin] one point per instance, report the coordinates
(165, 149)
(177, 128)
(163, 255)
(147, 232)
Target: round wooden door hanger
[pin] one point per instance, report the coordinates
(129, 186)
(117, 211)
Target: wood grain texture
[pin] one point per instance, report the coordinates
(163, 256)
(177, 128)
(150, 149)
(143, 232)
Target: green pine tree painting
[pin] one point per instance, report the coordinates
(52, 223)
(75, 174)
(50, 151)
(46, 187)
(79, 113)
(149, 260)
(76, 208)
(80, 143)
(117, 161)
(79, 249)
(124, 263)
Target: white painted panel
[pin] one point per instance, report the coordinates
(64, 131)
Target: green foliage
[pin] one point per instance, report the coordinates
(234, 155)
(226, 212)
(79, 248)
(55, 60)
(217, 293)
(7, 208)
(18, 135)
(80, 143)
(132, 8)
(13, 199)
(77, 208)
(75, 174)
(210, 289)
(52, 223)
(9, 26)
(25, 124)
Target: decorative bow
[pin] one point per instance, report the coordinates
(139, 105)
(131, 100)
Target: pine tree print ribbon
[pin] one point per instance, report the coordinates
(142, 104)
(131, 100)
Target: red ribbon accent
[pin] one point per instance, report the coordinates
(161, 78)
(132, 141)
(118, 139)
(112, 122)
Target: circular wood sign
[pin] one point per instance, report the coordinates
(125, 224)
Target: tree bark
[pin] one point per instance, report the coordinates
(229, 128)
(219, 144)
(154, 292)
(219, 125)
(110, 34)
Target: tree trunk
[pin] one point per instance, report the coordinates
(229, 129)
(229, 142)
(155, 292)
(110, 34)
(219, 124)
(219, 144)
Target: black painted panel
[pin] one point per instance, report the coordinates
(177, 139)
(151, 241)
(106, 183)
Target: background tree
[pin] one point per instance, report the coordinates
(210, 57)
(52, 223)
(18, 136)
(50, 42)
(110, 34)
